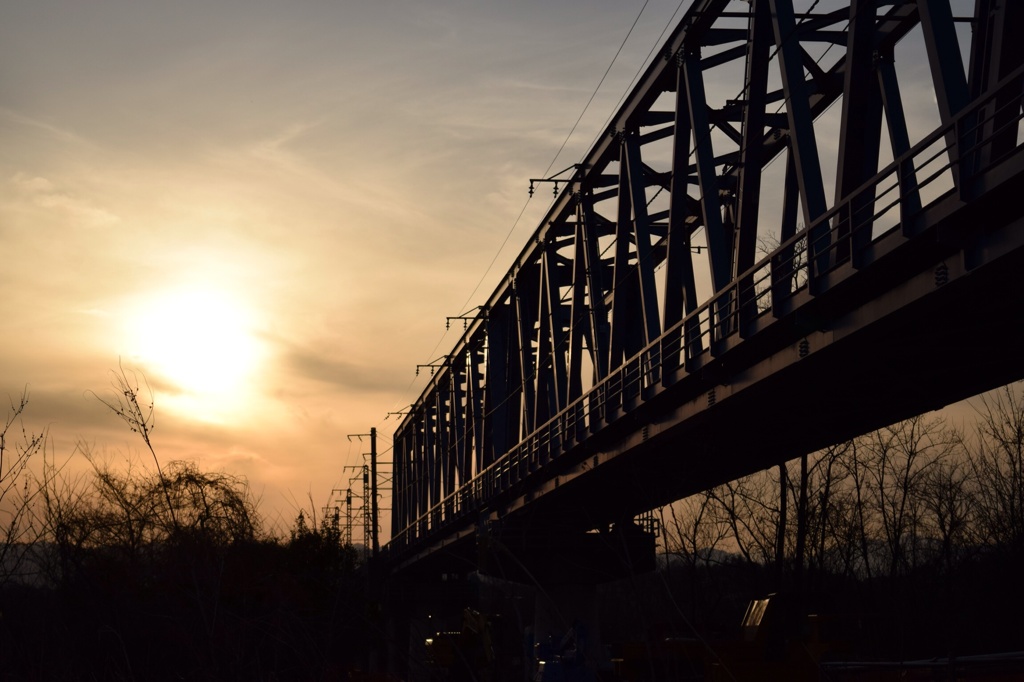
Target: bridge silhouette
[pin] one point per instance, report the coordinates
(646, 344)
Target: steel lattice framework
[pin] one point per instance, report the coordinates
(644, 279)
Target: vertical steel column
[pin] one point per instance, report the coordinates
(748, 194)
(460, 389)
(860, 134)
(596, 288)
(526, 295)
(475, 401)
(579, 312)
(680, 287)
(623, 314)
(997, 50)
(806, 163)
(399, 468)
(649, 322)
(502, 365)
(899, 137)
(784, 262)
(948, 76)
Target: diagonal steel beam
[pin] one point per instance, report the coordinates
(807, 164)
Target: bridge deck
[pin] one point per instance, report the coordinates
(902, 298)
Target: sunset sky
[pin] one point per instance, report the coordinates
(268, 208)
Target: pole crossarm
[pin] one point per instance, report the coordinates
(732, 138)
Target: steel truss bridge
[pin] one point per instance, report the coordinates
(646, 344)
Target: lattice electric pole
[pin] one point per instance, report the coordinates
(371, 524)
(367, 495)
(348, 516)
(342, 510)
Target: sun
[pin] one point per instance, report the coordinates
(201, 342)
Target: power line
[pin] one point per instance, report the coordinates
(526, 204)
(792, 35)
(599, 84)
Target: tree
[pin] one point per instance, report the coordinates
(124, 402)
(820, 508)
(998, 465)
(950, 501)
(750, 508)
(18, 446)
(160, 570)
(693, 534)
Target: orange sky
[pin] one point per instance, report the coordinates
(268, 208)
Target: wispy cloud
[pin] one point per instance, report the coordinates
(328, 368)
(347, 168)
(274, 147)
(44, 193)
(50, 129)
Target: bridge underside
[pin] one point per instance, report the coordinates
(615, 369)
(945, 347)
(856, 360)
(877, 347)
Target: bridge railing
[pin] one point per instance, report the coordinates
(949, 159)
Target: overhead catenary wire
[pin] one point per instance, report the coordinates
(597, 89)
(563, 298)
(554, 159)
(526, 204)
(692, 152)
(626, 91)
(460, 437)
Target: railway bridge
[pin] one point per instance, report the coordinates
(803, 223)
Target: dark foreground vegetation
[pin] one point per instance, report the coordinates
(150, 572)
(907, 543)
(895, 556)
(122, 592)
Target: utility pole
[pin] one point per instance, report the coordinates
(373, 491)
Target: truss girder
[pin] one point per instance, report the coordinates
(634, 313)
(748, 185)
(680, 297)
(996, 52)
(657, 234)
(861, 131)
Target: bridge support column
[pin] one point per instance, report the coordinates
(567, 632)
(564, 568)
(424, 617)
(517, 597)
(396, 630)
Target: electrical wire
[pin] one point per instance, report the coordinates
(515, 393)
(526, 204)
(599, 84)
(610, 246)
(640, 70)
(555, 158)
